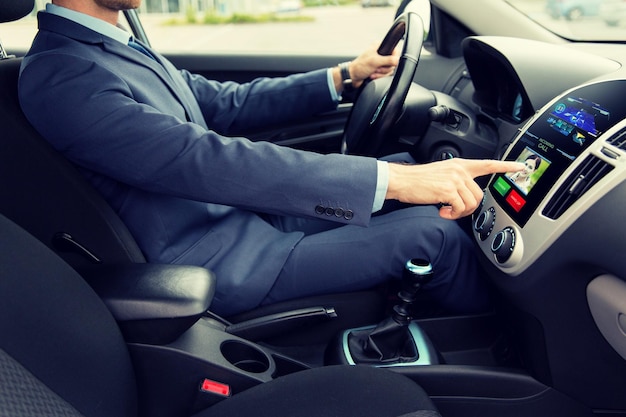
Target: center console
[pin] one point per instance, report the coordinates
(570, 149)
(545, 233)
(194, 360)
(185, 358)
(552, 237)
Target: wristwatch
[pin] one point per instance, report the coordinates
(344, 69)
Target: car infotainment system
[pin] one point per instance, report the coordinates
(552, 142)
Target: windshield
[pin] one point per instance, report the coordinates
(580, 20)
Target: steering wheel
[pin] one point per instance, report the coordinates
(379, 102)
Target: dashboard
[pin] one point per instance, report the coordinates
(552, 238)
(566, 105)
(573, 150)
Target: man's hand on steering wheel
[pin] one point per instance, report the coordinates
(379, 103)
(369, 65)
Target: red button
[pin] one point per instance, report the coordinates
(515, 200)
(215, 387)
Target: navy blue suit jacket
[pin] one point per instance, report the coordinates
(152, 140)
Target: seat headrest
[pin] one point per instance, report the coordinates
(11, 10)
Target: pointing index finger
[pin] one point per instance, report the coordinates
(480, 167)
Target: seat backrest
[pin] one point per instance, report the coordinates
(59, 345)
(46, 195)
(43, 192)
(15, 9)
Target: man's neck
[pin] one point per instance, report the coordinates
(90, 8)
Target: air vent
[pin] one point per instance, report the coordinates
(618, 140)
(589, 172)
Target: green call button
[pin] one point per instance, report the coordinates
(501, 186)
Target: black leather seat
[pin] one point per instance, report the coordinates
(61, 353)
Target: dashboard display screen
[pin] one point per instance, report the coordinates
(553, 142)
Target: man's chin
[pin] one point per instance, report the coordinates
(119, 5)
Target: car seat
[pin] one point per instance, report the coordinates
(61, 353)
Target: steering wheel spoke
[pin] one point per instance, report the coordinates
(379, 102)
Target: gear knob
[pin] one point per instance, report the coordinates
(417, 272)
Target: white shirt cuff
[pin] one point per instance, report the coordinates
(331, 86)
(381, 186)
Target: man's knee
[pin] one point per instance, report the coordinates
(451, 251)
(439, 236)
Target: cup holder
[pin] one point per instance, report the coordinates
(245, 357)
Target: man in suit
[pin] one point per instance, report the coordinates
(273, 223)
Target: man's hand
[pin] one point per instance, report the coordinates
(450, 182)
(372, 65)
(369, 64)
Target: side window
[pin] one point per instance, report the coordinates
(267, 26)
(308, 27)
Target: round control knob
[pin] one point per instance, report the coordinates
(483, 225)
(503, 244)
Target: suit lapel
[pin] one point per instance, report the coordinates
(166, 72)
(160, 66)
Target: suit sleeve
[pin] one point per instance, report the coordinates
(90, 114)
(230, 107)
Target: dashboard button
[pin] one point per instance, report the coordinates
(503, 244)
(483, 224)
(515, 200)
(501, 186)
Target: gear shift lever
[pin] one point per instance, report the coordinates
(391, 340)
(417, 273)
